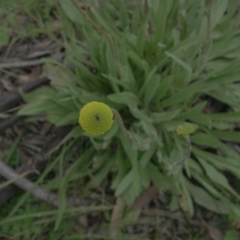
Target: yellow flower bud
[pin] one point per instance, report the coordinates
(96, 118)
(185, 129)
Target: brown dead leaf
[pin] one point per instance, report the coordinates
(83, 220)
(144, 198)
(34, 74)
(164, 214)
(2, 15)
(7, 84)
(237, 225)
(57, 24)
(46, 127)
(214, 233)
(81, 224)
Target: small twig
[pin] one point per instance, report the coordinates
(27, 185)
(28, 63)
(35, 190)
(21, 63)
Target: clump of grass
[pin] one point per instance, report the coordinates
(159, 64)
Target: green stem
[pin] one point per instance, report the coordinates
(128, 134)
(186, 155)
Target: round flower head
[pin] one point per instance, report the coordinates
(185, 129)
(96, 118)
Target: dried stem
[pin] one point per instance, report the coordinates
(116, 218)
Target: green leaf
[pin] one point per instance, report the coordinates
(101, 21)
(116, 81)
(160, 181)
(183, 95)
(224, 78)
(223, 125)
(229, 94)
(136, 59)
(164, 87)
(220, 162)
(71, 118)
(161, 10)
(61, 192)
(147, 155)
(37, 108)
(122, 168)
(231, 136)
(129, 195)
(123, 98)
(204, 139)
(144, 178)
(112, 132)
(217, 12)
(186, 201)
(98, 177)
(128, 79)
(64, 180)
(231, 235)
(131, 153)
(207, 185)
(228, 116)
(165, 116)
(124, 184)
(4, 35)
(43, 93)
(139, 114)
(133, 158)
(179, 61)
(193, 110)
(131, 218)
(151, 89)
(220, 48)
(149, 77)
(71, 11)
(136, 177)
(216, 176)
(201, 119)
(111, 66)
(205, 200)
